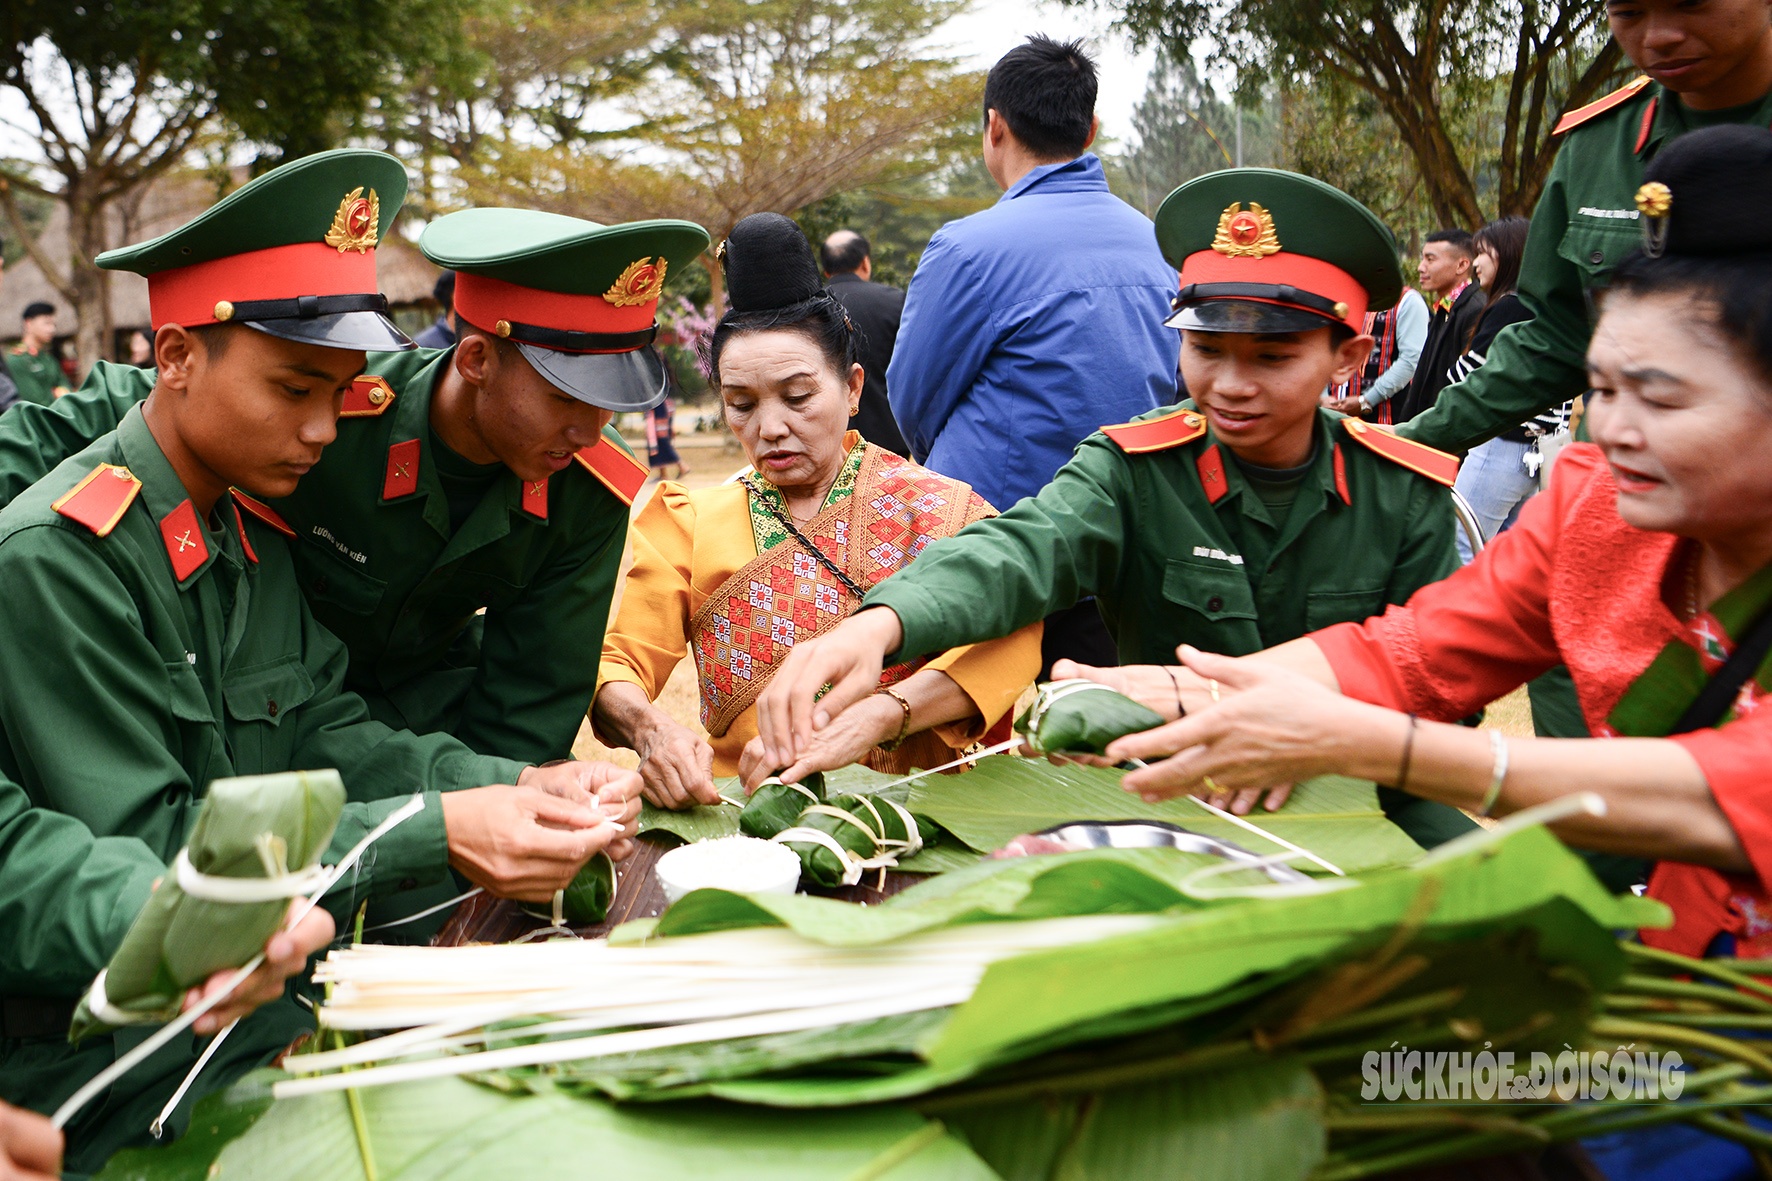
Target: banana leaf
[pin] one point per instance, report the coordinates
(1004, 796)
(822, 865)
(1081, 717)
(585, 901)
(246, 827)
(776, 805)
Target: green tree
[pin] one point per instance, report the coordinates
(1182, 129)
(755, 105)
(1472, 88)
(119, 92)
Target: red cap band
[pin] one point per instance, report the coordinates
(188, 295)
(1296, 270)
(483, 302)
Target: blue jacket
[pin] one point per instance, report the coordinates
(1028, 326)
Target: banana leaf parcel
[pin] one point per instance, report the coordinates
(1080, 716)
(250, 829)
(776, 805)
(836, 841)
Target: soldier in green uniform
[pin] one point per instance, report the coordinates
(481, 478)
(155, 639)
(1255, 519)
(32, 362)
(1703, 64)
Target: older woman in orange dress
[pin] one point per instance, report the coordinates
(737, 574)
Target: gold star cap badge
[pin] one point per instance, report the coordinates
(639, 283)
(355, 223)
(1246, 234)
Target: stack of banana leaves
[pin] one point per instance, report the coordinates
(1114, 1013)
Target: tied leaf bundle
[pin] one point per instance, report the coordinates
(836, 841)
(252, 828)
(586, 900)
(776, 805)
(1081, 717)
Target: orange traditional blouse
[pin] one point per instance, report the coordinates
(700, 587)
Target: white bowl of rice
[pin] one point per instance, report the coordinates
(744, 865)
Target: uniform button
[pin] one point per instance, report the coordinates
(320, 585)
(409, 883)
(271, 708)
(1597, 257)
(1215, 603)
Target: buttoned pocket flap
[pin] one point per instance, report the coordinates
(1328, 608)
(331, 577)
(268, 692)
(1215, 589)
(184, 693)
(1597, 249)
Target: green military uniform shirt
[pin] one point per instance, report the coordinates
(1585, 223)
(382, 568)
(37, 375)
(144, 653)
(1164, 537)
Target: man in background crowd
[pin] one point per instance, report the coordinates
(35, 369)
(1398, 334)
(875, 309)
(1457, 304)
(1030, 324)
(442, 334)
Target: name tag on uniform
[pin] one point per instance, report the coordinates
(1201, 551)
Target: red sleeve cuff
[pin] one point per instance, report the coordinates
(1363, 665)
(1735, 761)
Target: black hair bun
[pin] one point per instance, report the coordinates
(1719, 179)
(769, 264)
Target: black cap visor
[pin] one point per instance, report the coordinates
(1246, 315)
(371, 332)
(621, 382)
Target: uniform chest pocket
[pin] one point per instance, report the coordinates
(1597, 249)
(267, 692)
(185, 696)
(1215, 590)
(1328, 608)
(329, 577)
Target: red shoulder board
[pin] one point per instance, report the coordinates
(368, 396)
(620, 472)
(264, 512)
(100, 500)
(1417, 457)
(1156, 434)
(1599, 106)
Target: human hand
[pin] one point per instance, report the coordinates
(30, 1149)
(847, 739)
(616, 790)
(848, 658)
(676, 767)
(286, 955)
(1156, 687)
(1272, 729)
(525, 842)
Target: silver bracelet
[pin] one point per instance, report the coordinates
(1497, 743)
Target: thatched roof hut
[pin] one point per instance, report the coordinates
(163, 205)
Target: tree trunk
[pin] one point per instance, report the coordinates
(716, 281)
(89, 287)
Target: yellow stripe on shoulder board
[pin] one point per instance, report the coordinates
(1156, 434)
(619, 471)
(100, 500)
(1417, 457)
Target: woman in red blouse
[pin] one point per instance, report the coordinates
(1644, 567)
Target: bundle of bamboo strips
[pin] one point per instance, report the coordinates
(678, 991)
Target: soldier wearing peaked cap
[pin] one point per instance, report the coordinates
(155, 639)
(1246, 518)
(480, 478)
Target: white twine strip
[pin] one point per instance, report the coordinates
(215, 1043)
(185, 1020)
(1260, 831)
(214, 888)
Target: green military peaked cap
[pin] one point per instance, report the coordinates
(1261, 250)
(291, 253)
(579, 299)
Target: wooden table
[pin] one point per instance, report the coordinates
(638, 895)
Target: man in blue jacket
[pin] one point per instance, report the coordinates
(1029, 325)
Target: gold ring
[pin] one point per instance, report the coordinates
(1213, 685)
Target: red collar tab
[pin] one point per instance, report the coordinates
(620, 472)
(263, 512)
(535, 497)
(402, 477)
(628, 307)
(245, 542)
(1648, 122)
(1341, 475)
(1211, 467)
(368, 396)
(1600, 106)
(1156, 434)
(100, 500)
(199, 293)
(183, 534)
(1417, 457)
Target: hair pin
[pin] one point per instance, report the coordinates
(1654, 201)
